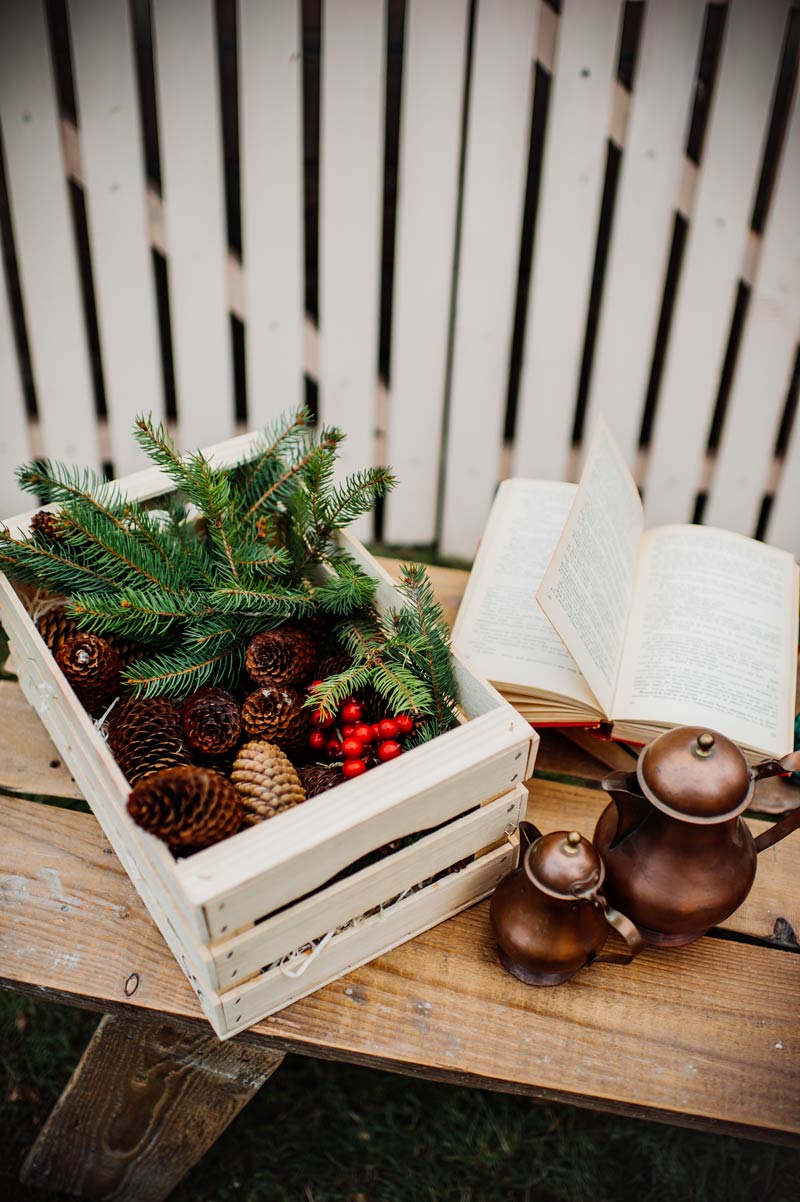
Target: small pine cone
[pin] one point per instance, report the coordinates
(187, 806)
(284, 656)
(318, 778)
(266, 780)
(93, 668)
(277, 715)
(145, 736)
(212, 721)
(47, 525)
(55, 627)
(127, 649)
(332, 665)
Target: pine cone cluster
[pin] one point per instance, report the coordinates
(145, 736)
(212, 721)
(187, 807)
(93, 668)
(266, 781)
(318, 778)
(276, 714)
(285, 656)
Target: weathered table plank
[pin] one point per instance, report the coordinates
(706, 1035)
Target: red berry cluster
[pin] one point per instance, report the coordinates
(358, 744)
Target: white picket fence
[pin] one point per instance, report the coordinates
(564, 242)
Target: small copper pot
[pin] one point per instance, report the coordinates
(679, 858)
(549, 917)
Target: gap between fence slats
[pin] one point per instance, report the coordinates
(494, 187)
(110, 152)
(44, 238)
(351, 159)
(270, 115)
(14, 445)
(642, 228)
(717, 241)
(765, 362)
(430, 138)
(194, 213)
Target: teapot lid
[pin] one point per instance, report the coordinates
(695, 774)
(564, 865)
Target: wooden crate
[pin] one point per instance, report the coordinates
(257, 921)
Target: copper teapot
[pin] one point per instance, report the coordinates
(679, 858)
(548, 916)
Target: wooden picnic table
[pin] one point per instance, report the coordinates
(706, 1036)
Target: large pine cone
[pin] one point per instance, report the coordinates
(212, 720)
(187, 807)
(55, 627)
(145, 736)
(266, 780)
(284, 656)
(318, 778)
(93, 668)
(276, 714)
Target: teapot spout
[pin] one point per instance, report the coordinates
(631, 807)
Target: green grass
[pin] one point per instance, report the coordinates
(321, 1132)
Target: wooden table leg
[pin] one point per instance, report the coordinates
(144, 1104)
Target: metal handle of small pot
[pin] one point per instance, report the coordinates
(528, 834)
(625, 928)
(778, 830)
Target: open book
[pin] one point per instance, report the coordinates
(580, 616)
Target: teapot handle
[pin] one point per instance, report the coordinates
(625, 928)
(528, 834)
(778, 831)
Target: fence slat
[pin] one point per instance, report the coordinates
(270, 115)
(573, 170)
(351, 179)
(42, 225)
(643, 218)
(430, 138)
(111, 144)
(714, 255)
(187, 88)
(494, 188)
(14, 448)
(766, 359)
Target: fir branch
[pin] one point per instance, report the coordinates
(97, 538)
(62, 484)
(134, 613)
(427, 620)
(275, 436)
(33, 563)
(328, 441)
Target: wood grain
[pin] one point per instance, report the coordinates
(29, 761)
(142, 1107)
(704, 1036)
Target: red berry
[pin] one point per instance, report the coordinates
(314, 684)
(348, 731)
(388, 729)
(389, 750)
(334, 749)
(351, 711)
(364, 732)
(376, 734)
(323, 720)
(351, 768)
(405, 723)
(352, 749)
(316, 740)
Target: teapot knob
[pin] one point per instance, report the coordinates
(572, 843)
(705, 743)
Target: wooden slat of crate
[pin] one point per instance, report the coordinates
(493, 196)
(113, 173)
(430, 141)
(691, 1036)
(43, 234)
(643, 219)
(356, 895)
(270, 116)
(190, 144)
(714, 257)
(566, 232)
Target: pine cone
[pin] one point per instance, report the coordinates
(212, 721)
(318, 778)
(55, 627)
(266, 780)
(127, 649)
(332, 665)
(277, 715)
(283, 656)
(92, 667)
(47, 525)
(186, 806)
(145, 736)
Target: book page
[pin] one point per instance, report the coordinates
(712, 638)
(501, 631)
(587, 589)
